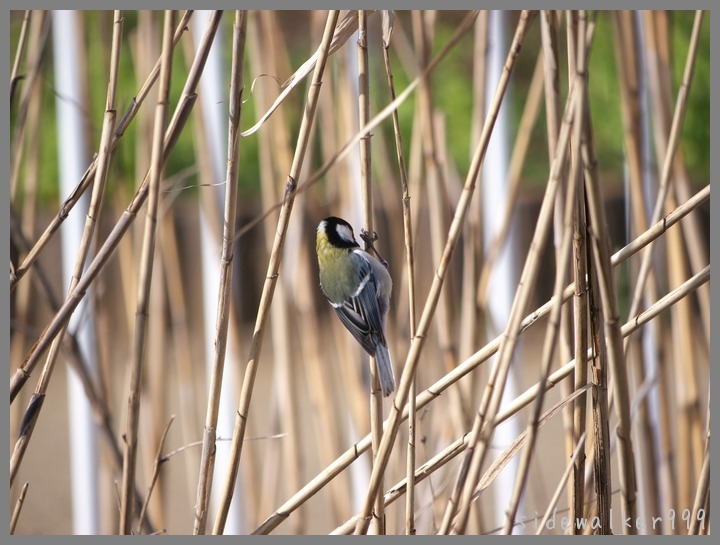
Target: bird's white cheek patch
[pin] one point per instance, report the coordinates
(345, 233)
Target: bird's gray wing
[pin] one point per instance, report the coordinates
(360, 313)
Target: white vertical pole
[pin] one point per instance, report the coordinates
(73, 160)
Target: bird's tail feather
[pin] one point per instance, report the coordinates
(385, 370)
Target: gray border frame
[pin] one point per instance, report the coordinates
(317, 4)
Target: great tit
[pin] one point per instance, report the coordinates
(358, 287)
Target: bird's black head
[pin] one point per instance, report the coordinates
(339, 232)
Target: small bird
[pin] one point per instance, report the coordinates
(358, 287)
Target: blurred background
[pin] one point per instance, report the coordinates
(310, 398)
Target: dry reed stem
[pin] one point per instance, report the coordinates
(608, 298)
(272, 276)
(36, 401)
(376, 398)
(577, 453)
(563, 253)
(628, 68)
(182, 111)
(19, 51)
(159, 459)
(410, 262)
(437, 202)
(39, 31)
(489, 405)
(672, 145)
(18, 507)
(491, 348)
(438, 280)
(702, 493)
(88, 177)
(662, 79)
(207, 457)
(23, 228)
(144, 282)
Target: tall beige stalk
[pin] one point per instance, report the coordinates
(38, 397)
(376, 398)
(271, 278)
(438, 281)
(144, 283)
(207, 458)
(410, 261)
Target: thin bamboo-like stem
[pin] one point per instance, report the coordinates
(437, 203)
(207, 457)
(490, 349)
(39, 394)
(182, 111)
(438, 281)
(18, 507)
(39, 31)
(628, 67)
(562, 266)
(376, 398)
(155, 472)
(271, 277)
(410, 261)
(145, 279)
(19, 52)
(88, 177)
(672, 145)
(492, 395)
(702, 493)
(608, 299)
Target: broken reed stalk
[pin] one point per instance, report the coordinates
(144, 283)
(88, 177)
(376, 397)
(410, 262)
(438, 281)
(491, 348)
(207, 457)
(36, 401)
(272, 276)
(18, 507)
(182, 111)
